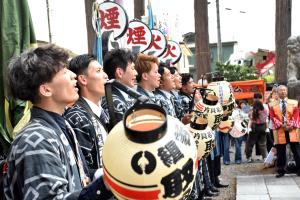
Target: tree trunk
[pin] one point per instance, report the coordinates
(202, 51)
(139, 9)
(282, 33)
(89, 27)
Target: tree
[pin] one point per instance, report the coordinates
(202, 51)
(139, 9)
(282, 33)
(237, 72)
(89, 27)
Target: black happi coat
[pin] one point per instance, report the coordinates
(41, 163)
(90, 132)
(185, 101)
(120, 103)
(167, 103)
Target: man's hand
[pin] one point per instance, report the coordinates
(186, 118)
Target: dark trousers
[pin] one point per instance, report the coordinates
(258, 134)
(270, 140)
(281, 154)
(206, 176)
(214, 168)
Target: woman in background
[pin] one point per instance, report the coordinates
(273, 97)
(258, 122)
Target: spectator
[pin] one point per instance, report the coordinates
(258, 121)
(285, 117)
(272, 99)
(239, 116)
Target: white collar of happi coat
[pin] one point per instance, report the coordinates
(97, 109)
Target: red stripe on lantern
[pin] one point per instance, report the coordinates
(130, 193)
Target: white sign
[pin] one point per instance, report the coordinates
(158, 45)
(173, 53)
(110, 17)
(138, 36)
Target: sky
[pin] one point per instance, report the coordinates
(252, 30)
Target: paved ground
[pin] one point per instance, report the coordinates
(252, 181)
(268, 187)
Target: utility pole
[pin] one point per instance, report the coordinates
(219, 44)
(48, 19)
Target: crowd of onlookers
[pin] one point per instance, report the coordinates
(58, 154)
(273, 125)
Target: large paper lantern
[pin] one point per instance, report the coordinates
(210, 109)
(224, 91)
(149, 155)
(239, 129)
(203, 135)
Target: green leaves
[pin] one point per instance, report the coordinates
(237, 72)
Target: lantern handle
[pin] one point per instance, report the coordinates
(203, 93)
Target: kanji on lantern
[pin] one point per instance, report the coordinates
(136, 35)
(169, 51)
(109, 18)
(155, 39)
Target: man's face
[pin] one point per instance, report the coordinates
(243, 105)
(129, 76)
(95, 79)
(153, 77)
(282, 92)
(189, 86)
(167, 81)
(63, 87)
(177, 79)
(275, 95)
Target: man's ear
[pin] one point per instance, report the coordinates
(145, 76)
(45, 90)
(82, 80)
(119, 73)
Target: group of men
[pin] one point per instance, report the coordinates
(58, 154)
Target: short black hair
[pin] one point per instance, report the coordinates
(163, 64)
(185, 78)
(33, 68)
(239, 103)
(172, 69)
(257, 96)
(117, 58)
(79, 64)
(161, 70)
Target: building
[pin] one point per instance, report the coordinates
(227, 48)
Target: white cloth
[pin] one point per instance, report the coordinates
(97, 109)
